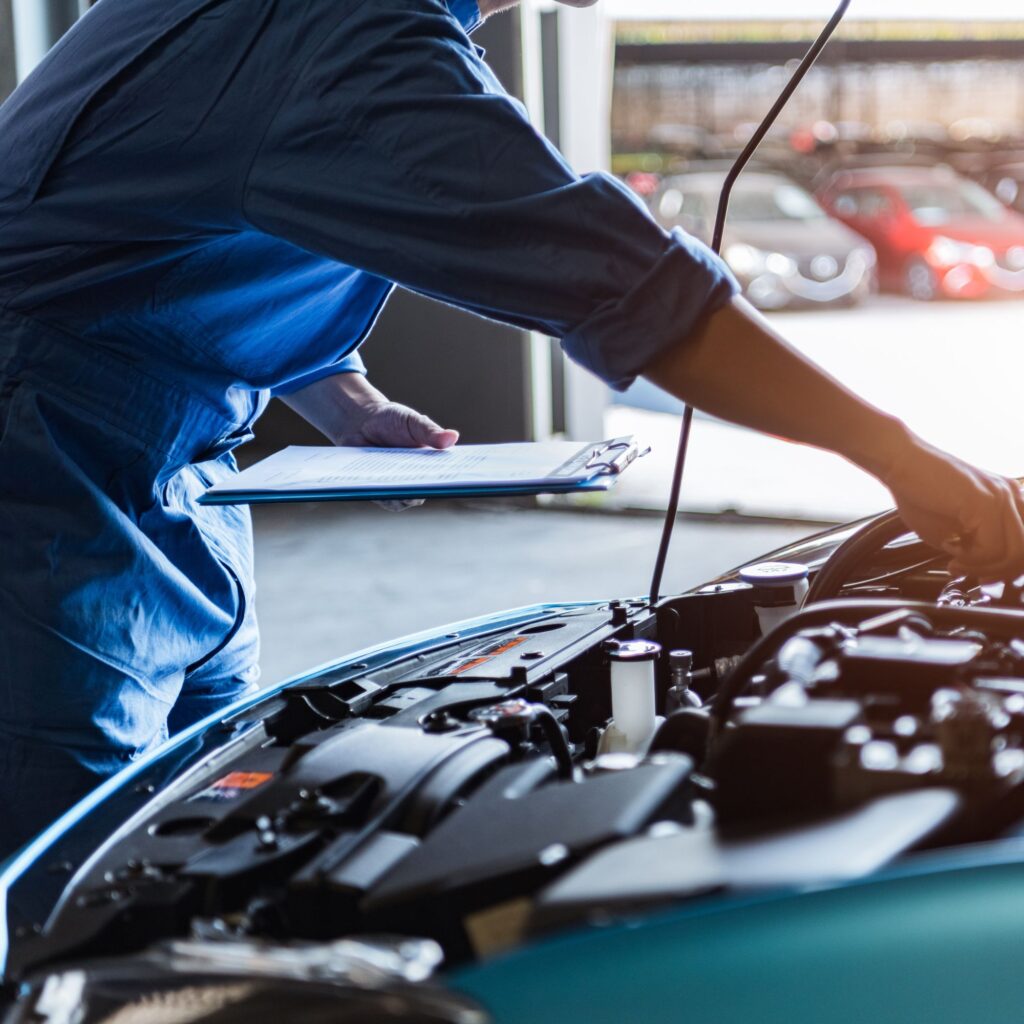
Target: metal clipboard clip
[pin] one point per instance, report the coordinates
(615, 457)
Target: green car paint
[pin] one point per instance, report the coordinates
(941, 947)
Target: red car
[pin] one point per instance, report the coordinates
(937, 235)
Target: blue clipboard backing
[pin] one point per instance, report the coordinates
(595, 485)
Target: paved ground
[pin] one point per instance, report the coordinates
(952, 371)
(332, 578)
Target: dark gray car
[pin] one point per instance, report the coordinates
(784, 248)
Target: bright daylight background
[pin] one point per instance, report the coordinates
(951, 369)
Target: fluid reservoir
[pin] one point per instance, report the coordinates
(780, 589)
(633, 695)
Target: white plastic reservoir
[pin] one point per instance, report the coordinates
(633, 693)
(780, 589)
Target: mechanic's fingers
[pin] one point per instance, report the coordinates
(984, 577)
(1018, 503)
(1018, 496)
(983, 574)
(446, 439)
(985, 532)
(399, 504)
(424, 431)
(1015, 526)
(992, 541)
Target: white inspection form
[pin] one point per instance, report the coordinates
(309, 472)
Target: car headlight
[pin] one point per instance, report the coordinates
(864, 256)
(947, 252)
(983, 256)
(824, 267)
(745, 260)
(780, 264)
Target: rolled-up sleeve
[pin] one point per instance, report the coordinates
(398, 152)
(352, 363)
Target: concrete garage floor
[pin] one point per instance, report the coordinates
(332, 579)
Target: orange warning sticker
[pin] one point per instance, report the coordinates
(242, 780)
(507, 646)
(232, 786)
(470, 665)
(489, 655)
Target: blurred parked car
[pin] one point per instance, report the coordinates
(684, 140)
(937, 235)
(643, 183)
(1006, 182)
(783, 247)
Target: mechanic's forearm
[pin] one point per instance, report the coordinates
(334, 403)
(737, 368)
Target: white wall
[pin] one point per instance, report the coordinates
(585, 81)
(37, 24)
(31, 35)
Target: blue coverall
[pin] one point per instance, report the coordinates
(205, 202)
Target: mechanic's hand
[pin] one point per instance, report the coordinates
(390, 425)
(973, 516)
(350, 411)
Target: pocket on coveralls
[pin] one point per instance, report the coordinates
(227, 534)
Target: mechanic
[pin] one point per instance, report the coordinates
(206, 202)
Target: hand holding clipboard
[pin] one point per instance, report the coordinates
(376, 474)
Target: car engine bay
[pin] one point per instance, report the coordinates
(494, 787)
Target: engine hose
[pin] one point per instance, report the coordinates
(557, 741)
(843, 562)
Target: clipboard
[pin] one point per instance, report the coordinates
(299, 474)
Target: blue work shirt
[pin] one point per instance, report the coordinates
(226, 189)
(203, 202)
